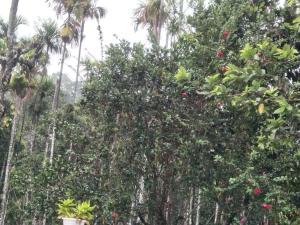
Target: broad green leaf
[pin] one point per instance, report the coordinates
(182, 75)
(248, 52)
(279, 110)
(287, 52)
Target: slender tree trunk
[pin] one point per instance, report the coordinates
(8, 167)
(79, 59)
(32, 138)
(191, 207)
(181, 5)
(22, 126)
(2, 170)
(56, 102)
(5, 77)
(100, 38)
(160, 21)
(217, 209)
(198, 207)
(132, 207)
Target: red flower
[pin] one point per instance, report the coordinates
(243, 220)
(226, 34)
(266, 206)
(220, 54)
(184, 94)
(257, 191)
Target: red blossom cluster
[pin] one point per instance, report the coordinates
(243, 220)
(184, 94)
(266, 206)
(220, 54)
(257, 191)
(226, 34)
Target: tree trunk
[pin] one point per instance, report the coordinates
(8, 168)
(160, 21)
(56, 102)
(32, 138)
(5, 77)
(100, 38)
(181, 5)
(79, 58)
(23, 118)
(198, 207)
(191, 208)
(217, 209)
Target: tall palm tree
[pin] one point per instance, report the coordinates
(48, 35)
(68, 33)
(22, 91)
(83, 11)
(152, 14)
(6, 74)
(20, 20)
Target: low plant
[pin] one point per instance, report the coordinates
(66, 208)
(69, 208)
(84, 211)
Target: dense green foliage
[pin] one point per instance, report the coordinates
(205, 132)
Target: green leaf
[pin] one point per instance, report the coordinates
(248, 52)
(287, 52)
(279, 110)
(182, 75)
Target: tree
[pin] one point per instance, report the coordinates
(68, 33)
(152, 14)
(48, 34)
(83, 11)
(10, 63)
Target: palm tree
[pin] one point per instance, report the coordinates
(48, 35)
(83, 11)
(6, 75)
(152, 14)
(20, 20)
(22, 90)
(68, 33)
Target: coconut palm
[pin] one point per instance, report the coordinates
(6, 74)
(21, 91)
(20, 20)
(47, 34)
(68, 33)
(152, 14)
(83, 11)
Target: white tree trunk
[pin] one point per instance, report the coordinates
(133, 204)
(5, 77)
(56, 102)
(198, 207)
(78, 59)
(141, 191)
(190, 214)
(32, 139)
(217, 209)
(8, 168)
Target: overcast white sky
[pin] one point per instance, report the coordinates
(118, 21)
